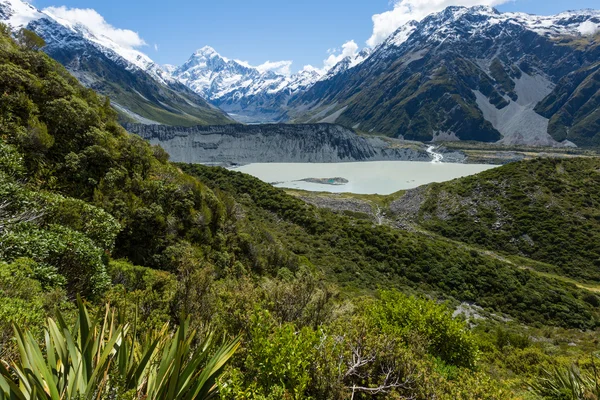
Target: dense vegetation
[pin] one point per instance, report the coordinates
(83, 362)
(544, 209)
(358, 254)
(324, 305)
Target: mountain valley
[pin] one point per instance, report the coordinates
(469, 74)
(461, 74)
(138, 262)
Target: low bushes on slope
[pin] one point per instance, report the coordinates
(544, 209)
(358, 254)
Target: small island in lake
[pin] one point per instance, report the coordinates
(326, 181)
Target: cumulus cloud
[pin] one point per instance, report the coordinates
(309, 68)
(97, 25)
(386, 23)
(349, 49)
(279, 67)
(589, 28)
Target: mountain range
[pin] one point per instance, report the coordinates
(460, 74)
(468, 74)
(139, 89)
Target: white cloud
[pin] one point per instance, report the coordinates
(279, 67)
(589, 28)
(349, 49)
(386, 23)
(97, 25)
(309, 68)
(155, 47)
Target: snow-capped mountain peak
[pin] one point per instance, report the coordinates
(137, 86)
(347, 63)
(402, 34)
(207, 52)
(19, 14)
(457, 23)
(218, 78)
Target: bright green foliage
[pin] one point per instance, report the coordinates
(100, 358)
(74, 255)
(30, 40)
(69, 142)
(403, 316)
(351, 357)
(185, 374)
(142, 293)
(76, 359)
(82, 217)
(23, 300)
(11, 162)
(278, 361)
(67, 238)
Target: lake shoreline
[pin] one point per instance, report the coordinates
(368, 177)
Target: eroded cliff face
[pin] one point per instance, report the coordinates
(242, 144)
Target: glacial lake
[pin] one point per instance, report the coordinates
(372, 177)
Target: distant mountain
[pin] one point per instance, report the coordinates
(460, 74)
(466, 74)
(245, 92)
(573, 107)
(139, 89)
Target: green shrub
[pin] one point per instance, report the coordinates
(30, 40)
(277, 361)
(82, 217)
(70, 253)
(445, 336)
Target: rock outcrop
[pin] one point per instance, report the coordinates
(242, 144)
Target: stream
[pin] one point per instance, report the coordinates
(437, 157)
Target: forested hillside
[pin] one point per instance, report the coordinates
(325, 306)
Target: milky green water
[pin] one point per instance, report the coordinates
(376, 177)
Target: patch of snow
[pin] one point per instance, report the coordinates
(19, 13)
(402, 34)
(589, 28)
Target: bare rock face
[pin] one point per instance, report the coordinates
(243, 144)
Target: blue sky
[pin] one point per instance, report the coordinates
(260, 30)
